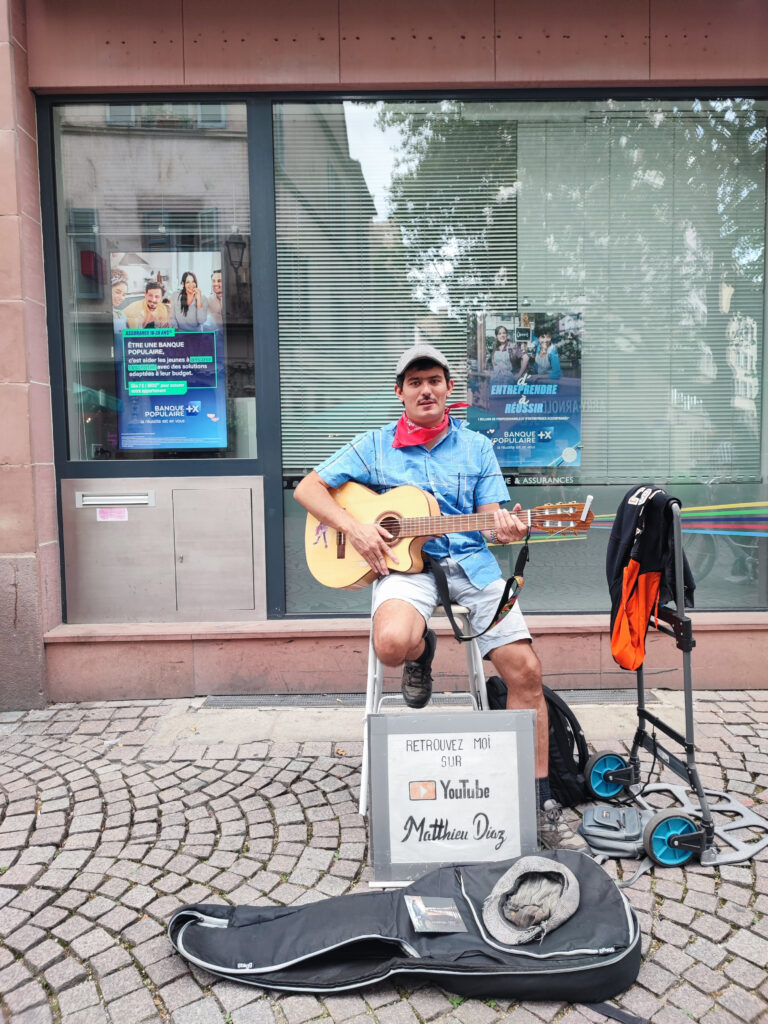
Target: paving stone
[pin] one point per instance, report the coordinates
(64, 974)
(704, 978)
(259, 1012)
(298, 1009)
(77, 998)
(104, 964)
(43, 955)
(750, 946)
(13, 976)
(342, 1007)
(656, 978)
(707, 952)
(744, 1005)
(92, 942)
(26, 996)
(179, 993)
(37, 1015)
(745, 974)
(120, 983)
(475, 1012)
(396, 1013)
(135, 1007)
(23, 938)
(691, 1000)
(204, 1012)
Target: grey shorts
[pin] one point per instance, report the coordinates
(420, 590)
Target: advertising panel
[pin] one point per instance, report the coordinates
(524, 386)
(169, 352)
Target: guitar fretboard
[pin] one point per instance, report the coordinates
(433, 526)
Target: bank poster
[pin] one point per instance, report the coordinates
(169, 351)
(524, 386)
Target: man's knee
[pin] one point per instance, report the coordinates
(520, 668)
(398, 628)
(394, 640)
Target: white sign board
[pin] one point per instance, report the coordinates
(450, 788)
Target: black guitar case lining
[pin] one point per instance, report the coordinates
(361, 939)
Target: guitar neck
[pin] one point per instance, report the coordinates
(436, 526)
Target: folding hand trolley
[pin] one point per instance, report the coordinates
(697, 822)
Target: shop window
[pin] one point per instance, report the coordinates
(632, 232)
(157, 317)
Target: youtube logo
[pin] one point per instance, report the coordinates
(423, 790)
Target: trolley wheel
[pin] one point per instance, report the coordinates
(597, 768)
(663, 827)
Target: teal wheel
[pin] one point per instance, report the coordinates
(659, 833)
(595, 773)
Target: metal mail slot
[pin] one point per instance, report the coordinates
(84, 499)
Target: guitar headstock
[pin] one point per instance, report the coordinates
(564, 517)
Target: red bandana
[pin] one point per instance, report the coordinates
(408, 433)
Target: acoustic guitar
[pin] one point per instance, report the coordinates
(412, 516)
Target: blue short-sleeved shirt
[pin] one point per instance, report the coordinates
(461, 471)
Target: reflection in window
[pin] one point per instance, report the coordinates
(642, 221)
(153, 200)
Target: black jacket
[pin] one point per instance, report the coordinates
(642, 530)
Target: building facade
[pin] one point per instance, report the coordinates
(218, 231)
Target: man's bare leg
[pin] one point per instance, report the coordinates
(520, 669)
(401, 637)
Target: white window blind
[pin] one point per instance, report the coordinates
(394, 220)
(652, 222)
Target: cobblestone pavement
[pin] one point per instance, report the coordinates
(103, 833)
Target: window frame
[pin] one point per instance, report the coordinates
(263, 149)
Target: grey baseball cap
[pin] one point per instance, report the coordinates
(535, 896)
(416, 352)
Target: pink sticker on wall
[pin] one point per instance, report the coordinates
(112, 515)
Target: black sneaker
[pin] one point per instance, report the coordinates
(417, 675)
(554, 831)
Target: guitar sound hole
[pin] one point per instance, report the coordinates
(392, 525)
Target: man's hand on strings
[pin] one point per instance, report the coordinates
(508, 527)
(373, 543)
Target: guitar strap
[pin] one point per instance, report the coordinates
(510, 595)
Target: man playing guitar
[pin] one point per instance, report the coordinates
(428, 448)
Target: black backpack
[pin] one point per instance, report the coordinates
(568, 752)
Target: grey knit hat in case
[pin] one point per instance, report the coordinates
(533, 898)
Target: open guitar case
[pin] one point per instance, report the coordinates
(351, 941)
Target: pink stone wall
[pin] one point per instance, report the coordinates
(30, 600)
(81, 46)
(321, 44)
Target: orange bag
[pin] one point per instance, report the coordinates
(639, 598)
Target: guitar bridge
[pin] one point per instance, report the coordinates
(341, 544)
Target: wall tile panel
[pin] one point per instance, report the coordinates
(17, 500)
(709, 42)
(29, 182)
(46, 520)
(41, 444)
(49, 565)
(8, 197)
(18, 11)
(268, 44)
(10, 258)
(7, 111)
(26, 114)
(14, 416)
(36, 337)
(135, 46)
(430, 43)
(32, 282)
(564, 42)
(13, 363)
